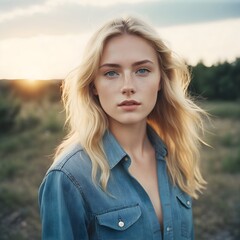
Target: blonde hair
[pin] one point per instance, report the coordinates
(175, 117)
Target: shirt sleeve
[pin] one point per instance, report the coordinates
(62, 210)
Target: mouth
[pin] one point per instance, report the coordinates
(129, 103)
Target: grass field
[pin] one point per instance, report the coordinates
(25, 155)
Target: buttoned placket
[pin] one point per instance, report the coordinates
(164, 191)
(156, 233)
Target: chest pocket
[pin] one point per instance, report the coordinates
(121, 224)
(186, 221)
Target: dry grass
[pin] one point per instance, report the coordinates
(217, 212)
(25, 156)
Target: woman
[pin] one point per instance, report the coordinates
(129, 165)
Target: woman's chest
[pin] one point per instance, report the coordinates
(147, 177)
(127, 211)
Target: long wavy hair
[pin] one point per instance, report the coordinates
(175, 117)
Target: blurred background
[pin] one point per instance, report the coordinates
(41, 41)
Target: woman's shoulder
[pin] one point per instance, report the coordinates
(73, 162)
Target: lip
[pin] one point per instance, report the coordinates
(129, 103)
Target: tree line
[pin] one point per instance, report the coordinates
(218, 82)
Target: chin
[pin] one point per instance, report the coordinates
(130, 121)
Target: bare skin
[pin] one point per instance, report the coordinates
(143, 162)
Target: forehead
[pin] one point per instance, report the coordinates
(128, 47)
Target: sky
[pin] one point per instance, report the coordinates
(45, 39)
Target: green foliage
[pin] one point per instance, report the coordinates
(9, 144)
(10, 198)
(221, 81)
(223, 109)
(25, 155)
(9, 169)
(52, 124)
(231, 164)
(227, 140)
(30, 121)
(9, 110)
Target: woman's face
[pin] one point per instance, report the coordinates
(128, 79)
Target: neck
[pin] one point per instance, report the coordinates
(132, 137)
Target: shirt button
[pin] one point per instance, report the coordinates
(126, 158)
(121, 224)
(168, 229)
(188, 203)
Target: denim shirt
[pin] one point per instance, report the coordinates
(73, 207)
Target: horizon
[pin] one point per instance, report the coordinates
(32, 80)
(45, 39)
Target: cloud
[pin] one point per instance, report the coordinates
(8, 5)
(46, 57)
(45, 38)
(211, 42)
(66, 17)
(94, 2)
(19, 12)
(14, 9)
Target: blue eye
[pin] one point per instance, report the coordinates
(111, 74)
(142, 71)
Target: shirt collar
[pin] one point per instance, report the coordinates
(115, 153)
(113, 150)
(158, 144)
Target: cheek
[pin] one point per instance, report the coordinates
(104, 97)
(103, 94)
(152, 95)
(153, 90)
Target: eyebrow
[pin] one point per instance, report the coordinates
(114, 65)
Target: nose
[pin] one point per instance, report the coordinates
(128, 87)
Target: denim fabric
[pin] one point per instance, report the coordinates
(73, 207)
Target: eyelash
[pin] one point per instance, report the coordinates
(145, 70)
(108, 74)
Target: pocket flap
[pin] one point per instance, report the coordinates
(120, 219)
(185, 200)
